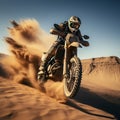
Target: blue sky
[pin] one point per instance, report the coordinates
(100, 20)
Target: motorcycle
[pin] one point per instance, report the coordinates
(66, 66)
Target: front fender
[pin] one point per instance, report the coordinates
(74, 44)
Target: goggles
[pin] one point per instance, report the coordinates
(74, 25)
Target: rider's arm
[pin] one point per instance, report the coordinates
(57, 32)
(59, 29)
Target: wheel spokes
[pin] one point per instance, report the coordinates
(70, 80)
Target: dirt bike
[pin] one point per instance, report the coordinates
(66, 66)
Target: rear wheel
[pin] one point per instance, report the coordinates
(73, 79)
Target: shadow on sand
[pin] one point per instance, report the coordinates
(87, 97)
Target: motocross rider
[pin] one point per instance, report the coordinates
(71, 26)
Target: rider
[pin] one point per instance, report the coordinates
(71, 26)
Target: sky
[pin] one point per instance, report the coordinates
(100, 20)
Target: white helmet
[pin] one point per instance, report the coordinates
(74, 23)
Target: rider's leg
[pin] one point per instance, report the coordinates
(45, 59)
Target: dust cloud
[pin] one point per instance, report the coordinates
(26, 42)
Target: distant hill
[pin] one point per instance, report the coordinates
(104, 71)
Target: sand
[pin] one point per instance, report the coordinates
(21, 102)
(28, 102)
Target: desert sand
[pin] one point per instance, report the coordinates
(22, 98)
(93, 101)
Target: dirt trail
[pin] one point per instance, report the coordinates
(21, 102)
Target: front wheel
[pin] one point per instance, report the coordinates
(73, 78)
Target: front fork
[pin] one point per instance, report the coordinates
(73, 52)
(65, 67)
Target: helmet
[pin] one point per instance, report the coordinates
(74, 23)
